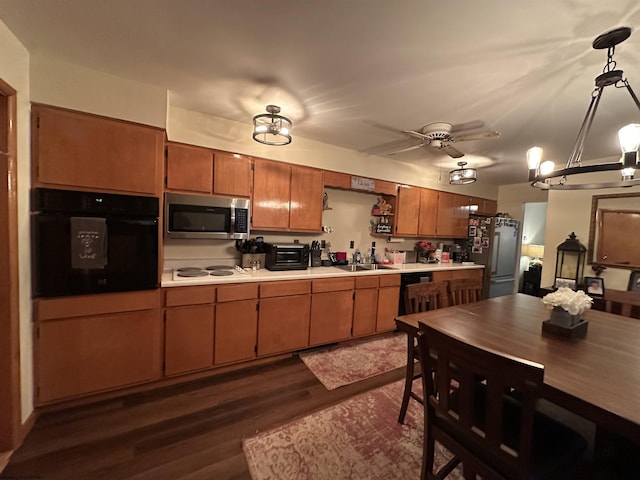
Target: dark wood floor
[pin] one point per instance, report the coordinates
(194, 430)
(189, 431)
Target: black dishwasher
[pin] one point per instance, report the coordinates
(408, 279)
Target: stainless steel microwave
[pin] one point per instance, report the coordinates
(194, 216)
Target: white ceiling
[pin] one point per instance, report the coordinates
(350, 72)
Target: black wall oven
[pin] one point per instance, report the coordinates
(90, 242)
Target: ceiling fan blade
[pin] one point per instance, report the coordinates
(419, 135)
(475, 136)
(452, 152)
(414, 147)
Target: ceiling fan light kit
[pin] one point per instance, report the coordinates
(462, 176)
(542, 174)
(271, 128)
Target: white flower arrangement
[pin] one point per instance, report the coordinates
(574, 302)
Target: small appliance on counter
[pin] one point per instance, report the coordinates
(425, 252)
(286, 256)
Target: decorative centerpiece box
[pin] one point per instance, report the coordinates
(566, 307)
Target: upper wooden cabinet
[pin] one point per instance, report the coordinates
(286, 197)
(483, 206)
(406, 214)
(198, 169)
(427, 217)
(453, 215)
(76, 149)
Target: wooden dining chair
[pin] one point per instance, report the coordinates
(624, 301)
(489, 422)
(465, 290)
(418, 297)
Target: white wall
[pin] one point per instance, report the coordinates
(14, 70)
(78, 88)
(511, 198)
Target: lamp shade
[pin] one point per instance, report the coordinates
(533, 251)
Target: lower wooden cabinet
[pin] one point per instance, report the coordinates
(87, 354)
(236, 330)
(188, 339)
(475, 273)
(283, 324)
(365, 306)
(388, 298)
(331, 317)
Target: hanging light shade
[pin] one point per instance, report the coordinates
(462, 176)
(271, 128)
(544, 175)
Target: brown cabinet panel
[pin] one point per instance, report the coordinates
(337, 180)
(284, 288)
(82, 355)
(368, 281)
(232, 175)
(365, 309)
(475, 273)
(81, 150)
(192, 295)
(271, 195)
(428, 212)
(189, 168)
(236, 330)
(89, 305)
(388, 299)
(331, 317)
(188, 339)
(237, 291)
(306, 199)
(483, 206)
(389, 280)
(453, 215)
(406, 215)
(332, 284)
(283, 324)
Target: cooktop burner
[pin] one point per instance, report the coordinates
(221, 273)
(192, 273)
(189, 269)
(219, 267)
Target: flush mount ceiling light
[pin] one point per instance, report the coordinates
(462, 176)
(541, 175)
(271, 128)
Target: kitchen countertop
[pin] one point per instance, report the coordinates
(264, 275)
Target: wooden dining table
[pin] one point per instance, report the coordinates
(596, 377)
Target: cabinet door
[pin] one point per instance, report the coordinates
(453, 215)
(388, 300)
(188, 343)
(490, 207)
(365, 309)
(406, 215)
(81, 355)
(428, 212)
(82, 150)
(271, 194)
(306, 199)
(236, 327)
(283, 324)
(232, 175)
(331, 317)
(189, 168)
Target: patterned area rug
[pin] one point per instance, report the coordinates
(354, 361)
(358, 439)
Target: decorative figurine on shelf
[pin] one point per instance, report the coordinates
(382, 207)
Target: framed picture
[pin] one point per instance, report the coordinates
(634, 281)
(485, 242)
(477, 241)
(472, 231)
(565, 282)
(595, 286)
(476, 249)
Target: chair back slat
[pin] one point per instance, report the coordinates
(626, 300)
(465, 290)
(477, 412)
(420, 297)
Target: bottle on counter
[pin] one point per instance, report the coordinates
(373, 252)
(357, 257)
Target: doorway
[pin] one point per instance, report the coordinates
(10, 417)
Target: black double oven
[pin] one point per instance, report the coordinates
(91, 242)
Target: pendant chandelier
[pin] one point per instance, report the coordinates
(462, 176)
(271, 128)
(545, 176)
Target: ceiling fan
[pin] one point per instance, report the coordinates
(441, 135)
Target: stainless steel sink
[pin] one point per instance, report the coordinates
(362, 267)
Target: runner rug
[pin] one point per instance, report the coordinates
(358, 439)
(354, 361)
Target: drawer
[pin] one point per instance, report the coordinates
(283, 289)
(367, 281)
(195, 295)
(239, 291)
(390, 280)
(332, 284)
